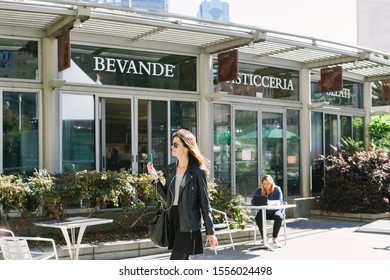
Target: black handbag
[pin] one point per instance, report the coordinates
(159, 228)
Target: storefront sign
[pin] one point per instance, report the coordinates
(63, 46)
(386, 92)
(123, 66)
(345, 93)
(132, 68)
(263, 81)
(227, 66)
(332, 79)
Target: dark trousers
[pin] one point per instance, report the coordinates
(275, 215)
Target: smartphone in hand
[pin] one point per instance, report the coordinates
(150, 157)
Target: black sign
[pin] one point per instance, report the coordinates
(63, 46)
(332, 79)
(227, 66)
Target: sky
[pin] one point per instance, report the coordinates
(333, 20)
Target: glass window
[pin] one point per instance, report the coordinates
(346, 127)
(261, 82)
(152, 133)
(183, 115)
(78, 132)
(246, 152)
(222, 148)
(20, 132)
(273, 149)
(317, 144)
(351, 96)
(358, 129)
(293, 152)
(97, 65)
(379, 97)
(18, 59)
(331, 133)
(117, 130)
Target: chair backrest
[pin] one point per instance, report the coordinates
(224, 223)
(14, 248)
(6, 232)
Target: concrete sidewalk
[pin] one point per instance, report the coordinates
(311, 239)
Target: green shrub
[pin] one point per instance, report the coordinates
(221, 198)
(379, 130)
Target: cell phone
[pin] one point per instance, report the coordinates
(150, 157)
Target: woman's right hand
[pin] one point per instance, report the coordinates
(152, 171)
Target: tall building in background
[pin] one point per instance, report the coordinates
(215, 10)
(148, 5)
(373, 25)
(151, 5)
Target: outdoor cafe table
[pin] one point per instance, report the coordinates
(263, 213)
(72, 224)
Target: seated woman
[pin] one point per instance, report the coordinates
(270, 189)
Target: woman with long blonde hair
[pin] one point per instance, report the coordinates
(273, 192)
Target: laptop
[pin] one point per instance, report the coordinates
(260, 200)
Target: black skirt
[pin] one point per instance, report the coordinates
(186, 242)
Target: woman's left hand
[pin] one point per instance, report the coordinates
(213, 241)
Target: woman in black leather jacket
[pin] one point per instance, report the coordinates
(185, 191)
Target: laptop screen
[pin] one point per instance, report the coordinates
(260, 200)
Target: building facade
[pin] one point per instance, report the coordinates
(214, 10)
(372, 29)
(105, 94)
(373, 25)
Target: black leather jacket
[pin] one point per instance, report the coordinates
(193, 201)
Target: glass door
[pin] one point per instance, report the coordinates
(134, 127)
(116, 134)
(258, 134)
(245, 147)
(153, 134)
(273, 136)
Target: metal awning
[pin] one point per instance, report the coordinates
(172, 33)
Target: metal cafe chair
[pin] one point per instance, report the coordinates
(17, 248)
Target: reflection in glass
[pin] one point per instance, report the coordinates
(246, 152)
(183, 115)
(118, 133)
(351, 96)
(222, 145)
(18, 59)
(272, 136)
(331, 133)
(346, 127)
(20, 132)
(152, 133)
(293, 152)
(358, 129)
(78, 132)
(317, 145)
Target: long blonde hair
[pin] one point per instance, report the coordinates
(269, 179)
(194, 155)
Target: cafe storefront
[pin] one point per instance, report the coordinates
(120, 99)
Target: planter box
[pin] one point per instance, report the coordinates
(360, 217)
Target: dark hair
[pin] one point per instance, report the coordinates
(189, 141)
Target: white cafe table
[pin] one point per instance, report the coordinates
(263, 213)
(72, 224)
